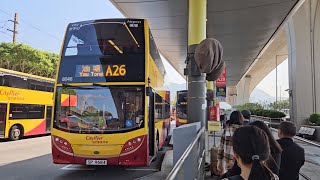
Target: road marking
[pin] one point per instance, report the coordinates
(77, 167)
(149, 176)
(141, 169)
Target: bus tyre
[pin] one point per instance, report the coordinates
(15, 133)
(157, 146)
(157, 150)
(168, 131)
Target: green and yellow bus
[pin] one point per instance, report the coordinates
(25, 104)
(111, 105)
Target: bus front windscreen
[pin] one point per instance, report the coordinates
(104, 37)
(94, 109)
(181, 108)
(103, 51)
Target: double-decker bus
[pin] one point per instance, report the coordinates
(181, 108)
(25, 104)
(111, 105)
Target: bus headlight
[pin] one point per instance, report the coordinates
(132, 145)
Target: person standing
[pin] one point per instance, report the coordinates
(247, 116)
(225, 152)
(223, 118)
(273, 162)
(251, 149)
(292, 157)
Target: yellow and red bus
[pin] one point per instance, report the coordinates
(25, 104)
(111, 105)
(181, 108)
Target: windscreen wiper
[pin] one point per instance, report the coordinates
(100, 85)
(89, 86)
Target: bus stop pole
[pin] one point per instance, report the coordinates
(197, 104)
(196, 80)
(209, 104)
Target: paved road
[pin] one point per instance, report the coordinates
(13, 151)
(41, 168)
(30, 159)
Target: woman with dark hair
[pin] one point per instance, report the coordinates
(225, 153)
(274, 160)
(236, 118)
(251, 150)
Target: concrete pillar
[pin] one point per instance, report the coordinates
(303, 34)
(196, 81)
(231, 95)
(243, 90)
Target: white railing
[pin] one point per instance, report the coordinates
(192, 160)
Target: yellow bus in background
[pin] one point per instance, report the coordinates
(25, 104)
(181, 108)
(111, 104)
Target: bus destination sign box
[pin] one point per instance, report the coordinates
(113, 70)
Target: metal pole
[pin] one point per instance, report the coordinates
(276, 78)
(209, 101)
(196, 80)
(15, 28)
(280, 93)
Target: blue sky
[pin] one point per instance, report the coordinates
(42, 25)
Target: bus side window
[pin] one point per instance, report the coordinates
(49, 89)
(18, 82)
(4, 80)
(18, 111)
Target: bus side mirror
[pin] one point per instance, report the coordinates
(149, 91)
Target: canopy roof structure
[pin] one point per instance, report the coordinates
(244, 27)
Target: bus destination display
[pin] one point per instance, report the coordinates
(111, 70)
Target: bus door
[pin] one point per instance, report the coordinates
(3, 115)
(151, 125)
(48, 118)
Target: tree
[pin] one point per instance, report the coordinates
(249, 106)
(23, 58)
(284, 104)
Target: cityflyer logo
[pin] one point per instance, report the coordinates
(96, 139)
(11, 94)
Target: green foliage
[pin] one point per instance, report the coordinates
(258, 110)
(67, 91)
(269, 113)
(276, 114)
(249, 106)
(315, 119)
(23, 58)
(284, 104)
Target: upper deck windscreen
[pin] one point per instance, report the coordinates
(104, 37)
(103, 51)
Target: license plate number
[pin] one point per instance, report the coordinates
(96, 162)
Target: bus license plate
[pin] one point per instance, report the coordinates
(96, 162)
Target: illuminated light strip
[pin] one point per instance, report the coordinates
(99, 23)
(115, 46)
(131, 34)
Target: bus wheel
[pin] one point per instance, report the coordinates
(157, 146)
(15, 133)
(168, 131)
